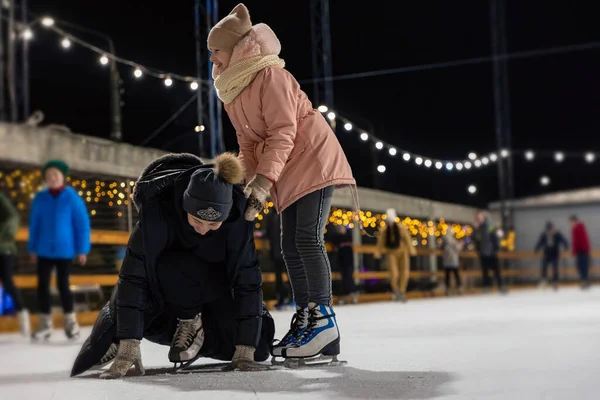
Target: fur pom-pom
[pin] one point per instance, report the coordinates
(229, 168)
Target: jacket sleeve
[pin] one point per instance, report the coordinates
(540, 243)
(243, 266)
(10, 225)
(246, 156)
(406, 237)
(132, 289)
(81, 225)
(279, 102)
(380, 246)
(34, 224)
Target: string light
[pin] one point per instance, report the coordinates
(27, 34)
(331, 116)
(47, 22)
(364, 136)
(406, 157)
(379, 145)
(323, 108)
(472, 156)
(529, 155)
(590, 157)
(194, 85)
(559, 156)
(168, 82)
(544, 180)
(199, 128)
(381, 169)
(418, 161)
(65, 43)
(472, 189)
(103, 60)
(137, 73)
(348, 126)
(392, 151)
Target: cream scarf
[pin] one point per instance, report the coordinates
(239, 75)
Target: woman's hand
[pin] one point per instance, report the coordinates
(256, 192)
(128, 356)
(82, 258)
(243, 360)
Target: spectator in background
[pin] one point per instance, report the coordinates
(274, 237)
(580, 242)
(342, 241)
(550, 242)
(9, 224)
(451, 260)
(395, 240)
(59, 230)
(487, 244)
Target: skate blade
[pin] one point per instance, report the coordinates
(182, 365)
(319, 361)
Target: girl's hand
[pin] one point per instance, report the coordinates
(256, 192)
(82, 258)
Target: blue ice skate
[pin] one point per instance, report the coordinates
(319, 343)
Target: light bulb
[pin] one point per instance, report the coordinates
(379, 145)
(137, 73)
(485, 161)
(364, 136)
(392, 151)
(493, 157)
(348, 126)
(381, 169)
(459, 166)
(406, 156)
(65, 43)
(427, 163)
(590, 157)
(472, 189)
(472, 156)
(331, 116)
(544, 180)
(419, 161)
(27, 34)
(168, 82)
(529, 155)
(477, 163)
(194, 85)
(449, 166)
(103, 60)
(468, 164)
(439, 165)
(504, 153)
(559, 156)
(199, 128)
(323, 108)
(47, 21)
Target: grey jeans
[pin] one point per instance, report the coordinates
(303, 247)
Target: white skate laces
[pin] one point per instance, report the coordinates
(187, 341)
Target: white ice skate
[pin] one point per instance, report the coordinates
(71, 326)
(187, 342)
(24, 325)
(44, 330)
(297, 327)
(319, 344)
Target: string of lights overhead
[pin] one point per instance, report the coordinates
(472, 161)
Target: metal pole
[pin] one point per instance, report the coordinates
(12, 65)
(2, 77)
(212, 101)
(115, 96)
(201, 88)
(25, 56)
(498, 106)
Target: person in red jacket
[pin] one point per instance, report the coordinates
(581, 249)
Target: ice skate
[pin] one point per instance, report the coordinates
(297, 327)
(24, 325)
(44, 329)
(319, 344)
(71, 326)
(187, 342)
(543, 284)
(110, 355)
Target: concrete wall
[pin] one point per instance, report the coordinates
(35, 145)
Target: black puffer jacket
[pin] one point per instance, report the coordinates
(162, 227)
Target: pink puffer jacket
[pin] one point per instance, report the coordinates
(280, 134)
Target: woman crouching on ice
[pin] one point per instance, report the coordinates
(288, 150)
(190, 278)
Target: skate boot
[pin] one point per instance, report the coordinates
(44, 329)
(297, 326)
(187, 342)
(71, 325)
(110, 355)
(319, 343)
(24, 325)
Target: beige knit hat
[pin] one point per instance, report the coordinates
(230, 30)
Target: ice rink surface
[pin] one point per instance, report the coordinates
(528, 345)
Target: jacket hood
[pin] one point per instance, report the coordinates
(260, 41)
(161, 173)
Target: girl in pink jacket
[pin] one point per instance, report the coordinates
(290, 152)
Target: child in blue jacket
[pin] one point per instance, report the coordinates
(59, 231)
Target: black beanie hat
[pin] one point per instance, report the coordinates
(209, 194)
(59, 165)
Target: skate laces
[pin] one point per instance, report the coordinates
(298, 320)
(314, 316)
(185, 333)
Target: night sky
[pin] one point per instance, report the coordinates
(441, 113)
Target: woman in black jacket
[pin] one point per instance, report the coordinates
(190, 278)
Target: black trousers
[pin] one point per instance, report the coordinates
(449, 271)
(281, 289)
(550, 261)
(44, 273)
(346, 264)
(490, 263)
(7, 266)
